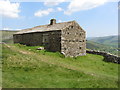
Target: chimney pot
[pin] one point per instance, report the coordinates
(52, 21)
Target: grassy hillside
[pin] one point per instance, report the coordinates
(27, 67)
(101, 47)
(107, 40)
(7, 36)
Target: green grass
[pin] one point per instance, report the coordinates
(101, 47)
(26, 67)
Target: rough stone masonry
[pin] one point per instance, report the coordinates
(107, 56)
(66, 37)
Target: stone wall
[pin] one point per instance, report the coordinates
(50, 39)
(107, 57)
(30, 39)
(73, 41)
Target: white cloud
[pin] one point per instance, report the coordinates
(9, 9)
(6, 28)
(59, 20)
(41, 13)
(79, 5)
(59, 9)
(53, 2)
(46, 12)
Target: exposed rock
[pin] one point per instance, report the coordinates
(40, 48)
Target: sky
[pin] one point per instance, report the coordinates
(97, 17)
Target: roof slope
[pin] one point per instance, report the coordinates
(48, 27)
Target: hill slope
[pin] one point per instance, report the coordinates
(7, 36)
(101, 47)
(26, 67)
(107, 40)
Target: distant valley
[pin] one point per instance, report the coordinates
(106, 40)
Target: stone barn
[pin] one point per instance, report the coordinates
(66, 37)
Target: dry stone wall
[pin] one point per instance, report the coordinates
(107, 57)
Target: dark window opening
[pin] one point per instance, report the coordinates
(73, 41)
(71, 26)
(80, 48)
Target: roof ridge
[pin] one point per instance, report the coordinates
(49, 24)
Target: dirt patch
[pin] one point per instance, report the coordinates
(24, 52)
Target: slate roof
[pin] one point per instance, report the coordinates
(48, 27)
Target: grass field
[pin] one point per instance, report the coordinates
(26, 67)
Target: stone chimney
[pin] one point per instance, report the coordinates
(52, 21)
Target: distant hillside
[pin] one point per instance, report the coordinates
(101, 47)
(7, 36)
(107, 40)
